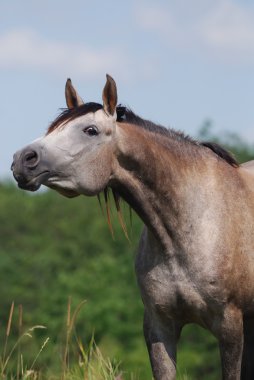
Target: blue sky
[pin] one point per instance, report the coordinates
(175, 62)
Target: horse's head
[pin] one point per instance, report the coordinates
(76, 154)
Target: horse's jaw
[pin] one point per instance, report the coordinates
(68, 193)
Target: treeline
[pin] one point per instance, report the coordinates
(53, 248)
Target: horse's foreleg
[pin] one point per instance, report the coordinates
(161, 343)
(230, 335)
(247, 372)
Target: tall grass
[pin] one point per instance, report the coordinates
(87, 364)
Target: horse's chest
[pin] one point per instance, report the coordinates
(167, 289)
(166, 294)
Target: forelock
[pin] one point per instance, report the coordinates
(70, 114)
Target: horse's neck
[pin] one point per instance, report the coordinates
(154, 174)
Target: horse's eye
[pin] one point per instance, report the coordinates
(91, 130)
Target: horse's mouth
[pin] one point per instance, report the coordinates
(34, 183)
(44, 178)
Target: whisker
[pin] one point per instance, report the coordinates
(119, 213)
(106, 198)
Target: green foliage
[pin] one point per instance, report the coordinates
(52, 248)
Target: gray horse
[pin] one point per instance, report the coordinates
(195, 262)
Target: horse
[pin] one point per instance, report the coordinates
(195, 262)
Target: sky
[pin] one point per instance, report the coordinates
(177, 63)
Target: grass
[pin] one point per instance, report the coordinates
(87, 363)
(78, 361)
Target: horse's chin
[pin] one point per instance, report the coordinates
(29, 187)
(32, 184)
(65, 192)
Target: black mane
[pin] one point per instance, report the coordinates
(221, 152)
(126, 115)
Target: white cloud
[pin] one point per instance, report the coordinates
(222, 30)
(155, 17)
(24, 49)
(229, 30)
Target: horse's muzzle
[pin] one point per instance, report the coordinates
(27, 170)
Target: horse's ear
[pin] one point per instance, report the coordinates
(109, 96)
(72, 97)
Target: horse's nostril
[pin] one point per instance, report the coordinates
(31, 159)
